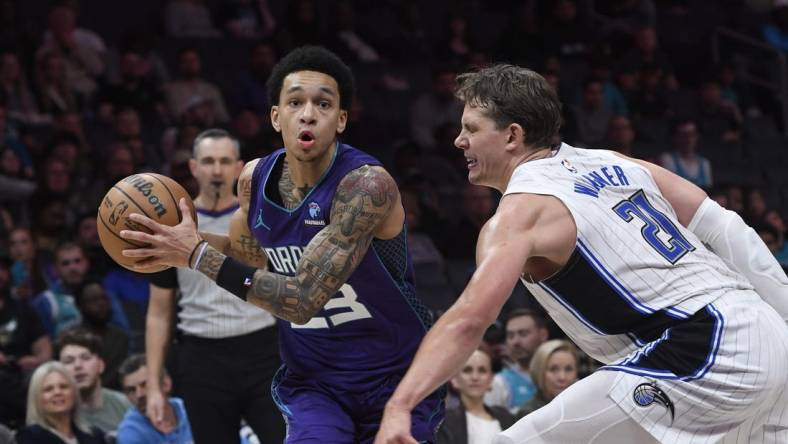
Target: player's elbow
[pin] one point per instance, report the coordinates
(469, 328)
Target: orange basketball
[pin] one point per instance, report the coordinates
(152, 195)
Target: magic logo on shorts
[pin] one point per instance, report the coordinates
(314, 215)
(648, 393)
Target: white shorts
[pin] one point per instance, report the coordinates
(735, 392)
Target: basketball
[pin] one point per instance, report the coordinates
(152, 195)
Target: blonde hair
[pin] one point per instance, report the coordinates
(538, 366)
(35, 415)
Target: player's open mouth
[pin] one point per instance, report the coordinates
(471, 162)
(306, 139)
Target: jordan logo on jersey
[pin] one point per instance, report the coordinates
(648, 393)
(259, 221)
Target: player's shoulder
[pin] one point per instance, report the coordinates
(249, 167)
(368, 178)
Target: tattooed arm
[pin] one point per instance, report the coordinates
(239, 242)
(363, 201)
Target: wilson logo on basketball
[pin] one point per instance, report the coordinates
(144, 187)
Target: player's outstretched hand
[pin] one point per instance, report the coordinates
(166, 245)
(395, 427)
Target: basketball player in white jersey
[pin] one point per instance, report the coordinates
(677, 296)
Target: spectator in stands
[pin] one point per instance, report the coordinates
(435, 108)
(513, 386)
(593, 117)
(349, 40)
(649, 100)
(128, 129)
(478, 205)
(82, 51)
(15, 91)
(53, 410)
(51, 221)
(567, 34)
(14, 181)
(23, 346)
(620, 136)
(136, 428)
(86, 235)
(520, 42)
(473, 421)
(456, 47)
(103, 316)
(55, 307)
(189, 18)
(130, 289)
(684, 159)
(553, 369)
(718, 117)
(302, 26)
(56, 94)
(247, 19)
(624, 17)
(250, 92)
(248, 127)
(9, 138)
(601, 69)
(770, 237)
(30, 272)
(101, 408)
(135, 89)
(646, 51)
(756, 206)
(190, 86)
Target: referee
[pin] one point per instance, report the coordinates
(228, 351)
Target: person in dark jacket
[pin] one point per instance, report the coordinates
(52, 410)
(472, 422)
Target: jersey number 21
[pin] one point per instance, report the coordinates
(673, 246)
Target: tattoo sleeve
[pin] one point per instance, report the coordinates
(362, 201)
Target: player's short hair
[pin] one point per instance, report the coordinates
(539, 320)
(78, 336)
(511, 94)
(312, 58)
(215, 133)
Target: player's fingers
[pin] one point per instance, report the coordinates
(186, 212)
(147, 263)
(139, 252)
(137, 236)
(145, 221)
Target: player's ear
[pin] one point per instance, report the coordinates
(342, 122)
(275, 118)
(515, 135)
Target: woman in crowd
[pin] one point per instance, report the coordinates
(553, 369)
(472, 422)
(52, 410)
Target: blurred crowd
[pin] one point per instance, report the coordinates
(91, 93)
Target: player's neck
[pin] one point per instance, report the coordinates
(517, 160)
(211, 203)
(307, 173)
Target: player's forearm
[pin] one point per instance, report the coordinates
(443, 351)
(295, 299)
(157, 337)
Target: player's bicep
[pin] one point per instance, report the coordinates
(361, 203)
(243, 244)
(504, 245)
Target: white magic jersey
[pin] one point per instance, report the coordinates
(636, 270)
(207, 310)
